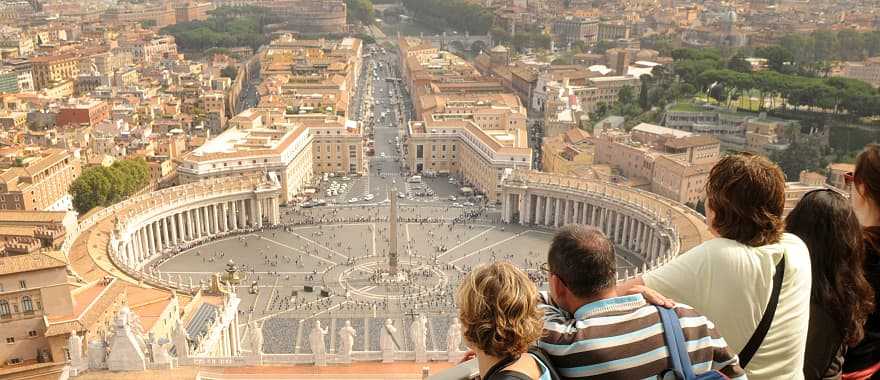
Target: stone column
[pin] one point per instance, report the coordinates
(276, 212)
(165, 233)
(618, 227)
(570, 211)
(548, 211)
(242, 214)
(259, 213)
(539, 209)
(224, 217)
(157, 225)
(233, 213)
(557, 207)
(203, 221)
(188, 225)
(206, 220)
(151, 241)
(142, 243)
(525, 214)
(173, 225)
(640, 237)
(197, 223)
(145, 239)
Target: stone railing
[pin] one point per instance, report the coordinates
(248, 358)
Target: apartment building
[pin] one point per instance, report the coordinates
(479, 138)
(570, 29)
(33, 287)
(337, 144)
(254, 144)
(866, 71)
(37, 180)
(51, 69)
(569, 153)
(89, 112)
(311, 76)
(669, 162)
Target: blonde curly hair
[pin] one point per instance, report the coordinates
(498, 309)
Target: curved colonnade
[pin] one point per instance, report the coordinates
(153, 223)
(654, 228)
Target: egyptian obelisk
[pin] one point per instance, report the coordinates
(392, 230)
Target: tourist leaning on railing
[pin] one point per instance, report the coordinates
(841, 297)
(752, 280)
(863, 360)
(592, 332)
(498, 309)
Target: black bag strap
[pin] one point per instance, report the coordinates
(503, 363)
(539, 353)
(745, 356)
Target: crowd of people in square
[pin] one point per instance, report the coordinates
(769, 297)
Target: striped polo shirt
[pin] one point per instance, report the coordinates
(622, 338)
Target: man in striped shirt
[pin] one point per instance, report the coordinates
(592, 332)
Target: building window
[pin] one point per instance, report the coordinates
(23, 284)
(10, 340)
(32, 333)
(27, 306)
(4, 309)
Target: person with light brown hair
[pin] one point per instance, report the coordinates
(753, 280)
(498, 310)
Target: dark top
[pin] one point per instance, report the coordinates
(867, 352)
(824, 356)
(510, 375)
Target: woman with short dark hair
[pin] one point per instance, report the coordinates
(863, 360)
(841, 297)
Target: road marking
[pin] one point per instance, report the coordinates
(465, 242)
(320, 245)
(299, 250)
(488, 247)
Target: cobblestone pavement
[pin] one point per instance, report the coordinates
(325, 264)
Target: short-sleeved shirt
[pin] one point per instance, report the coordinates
(730, 283)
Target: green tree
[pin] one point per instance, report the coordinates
(103, 186)
(644, 99)
(360, 10)
(626, 95)
(229, 72)
(800, 155)
(461, 15)
(738, 63)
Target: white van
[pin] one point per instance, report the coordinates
(415, 179)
